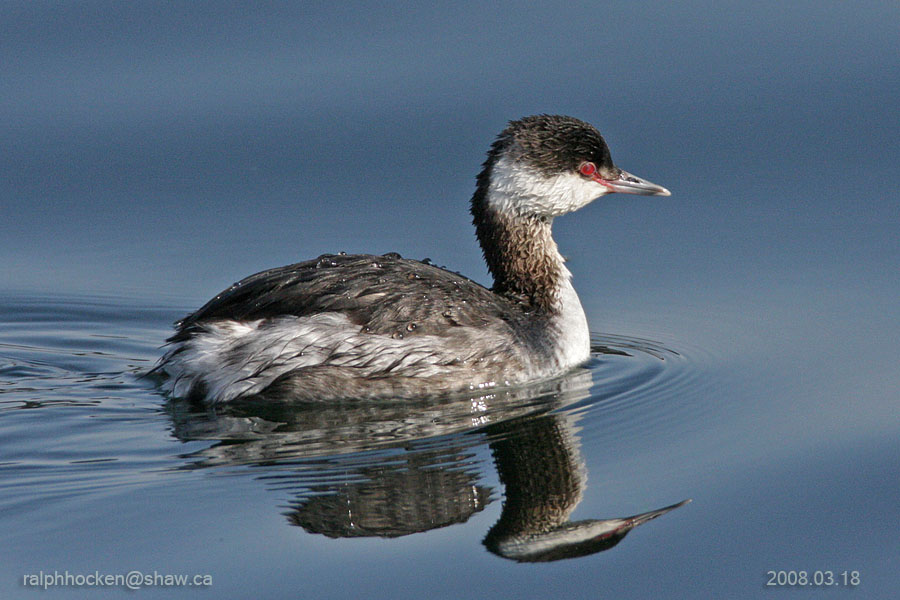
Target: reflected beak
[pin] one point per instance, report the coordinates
(626, 183)
(642, 518)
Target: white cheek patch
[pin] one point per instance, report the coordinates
(518, 189)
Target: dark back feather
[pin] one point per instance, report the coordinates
(386, 295)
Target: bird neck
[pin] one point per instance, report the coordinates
(520, 253)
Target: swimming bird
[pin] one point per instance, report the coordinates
(378, 327)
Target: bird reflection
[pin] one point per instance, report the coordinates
(390, 470)
(543, 474)
(414, 492)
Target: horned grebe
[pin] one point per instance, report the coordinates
(362, 326)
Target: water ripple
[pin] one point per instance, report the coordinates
(112, 428)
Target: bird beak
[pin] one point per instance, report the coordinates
(626, 183)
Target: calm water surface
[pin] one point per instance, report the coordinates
(745, 328)
(98, 471)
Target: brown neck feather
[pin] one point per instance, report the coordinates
(521, 255)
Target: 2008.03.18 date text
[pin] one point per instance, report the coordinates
(812, 578)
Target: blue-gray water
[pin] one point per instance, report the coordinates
(746, 327)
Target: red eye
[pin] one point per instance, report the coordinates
(587, 169)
